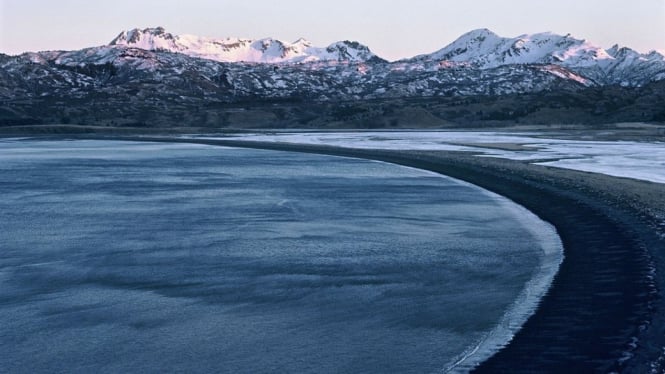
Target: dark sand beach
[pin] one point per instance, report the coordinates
(605, 310)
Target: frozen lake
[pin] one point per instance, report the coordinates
(630, 159)
(121, 256)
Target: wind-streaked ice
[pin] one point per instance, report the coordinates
(638, 160)
(119, 256)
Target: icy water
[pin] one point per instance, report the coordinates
(119, 256)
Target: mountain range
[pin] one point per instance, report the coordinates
(142, 75)
(478, 48)
(266, 50)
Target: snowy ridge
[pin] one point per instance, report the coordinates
(266, 50)
(486, 49)
(617, 65)
(566, 56)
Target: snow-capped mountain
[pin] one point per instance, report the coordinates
(151, 76)
(266, 50)
(484, 49)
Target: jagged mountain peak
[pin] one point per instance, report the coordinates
(656, 54)
(478, 34)
(134, 36)
(485, 49)
(266, 50)
(478, 40)
(302, 41)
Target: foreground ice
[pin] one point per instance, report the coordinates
(144, 257)
(637, 160)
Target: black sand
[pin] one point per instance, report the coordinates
(605, 310)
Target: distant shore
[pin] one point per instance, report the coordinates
(604, 311)
(635, 131)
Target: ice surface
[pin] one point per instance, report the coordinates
(124, 256)
(637, 160)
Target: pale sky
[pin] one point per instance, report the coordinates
(392, 29)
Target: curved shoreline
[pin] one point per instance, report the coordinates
(601, 313)
(528, 301)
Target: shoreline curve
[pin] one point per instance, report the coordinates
(601, 313)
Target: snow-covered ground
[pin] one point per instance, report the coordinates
(638, 160)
